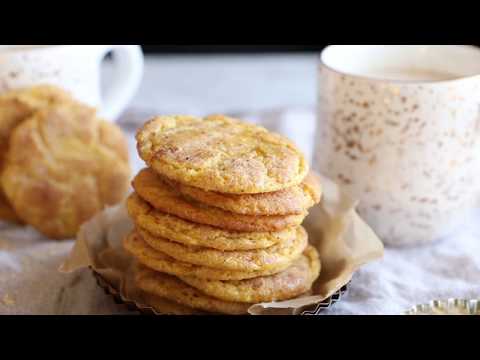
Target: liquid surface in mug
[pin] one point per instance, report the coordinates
(410, 74)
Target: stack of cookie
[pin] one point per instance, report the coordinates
(218, 216)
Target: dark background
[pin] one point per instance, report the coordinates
(206, 49)
(231, 48)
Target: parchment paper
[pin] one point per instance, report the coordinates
(344, 240)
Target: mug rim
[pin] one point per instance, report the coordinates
(398, 81)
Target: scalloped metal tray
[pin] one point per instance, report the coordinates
(112, 292)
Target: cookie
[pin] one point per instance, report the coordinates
(185, 232)
(6, 211)
(272, 258)
(289, 284)
(173, 289)
(221, 154)
(163, 306)
(294, 200)
(18, 105)
(15, 107)
(150, 187)
(161, 262)
(63, 166)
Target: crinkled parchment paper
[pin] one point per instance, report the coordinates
(343, 239)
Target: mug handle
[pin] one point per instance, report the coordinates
(128, 72)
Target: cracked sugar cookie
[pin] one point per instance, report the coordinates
(15, 107)
(286, 285)
(151, 188)
(271, 258)
(158, 261)
(173, 228)
(222, 154)
(63, 166)
(294, 200)
(173, 289)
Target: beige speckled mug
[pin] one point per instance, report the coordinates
(399, 127)
(77, 69)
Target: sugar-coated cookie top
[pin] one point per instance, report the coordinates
(221, 154)
(63, 166)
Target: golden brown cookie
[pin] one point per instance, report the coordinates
(221, 154)
(15, 107)
(158, 261)
(273, 258)
(171, 288)
(6, 211)
(294, 200)
(293, 282)
(163, 306)
(63, 166)
(18, 105)
(185, 232)
(150, 187)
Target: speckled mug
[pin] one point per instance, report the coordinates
(76, 68)
(399, 127)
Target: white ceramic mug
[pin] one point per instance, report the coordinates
(76, 68)
(399, 127)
